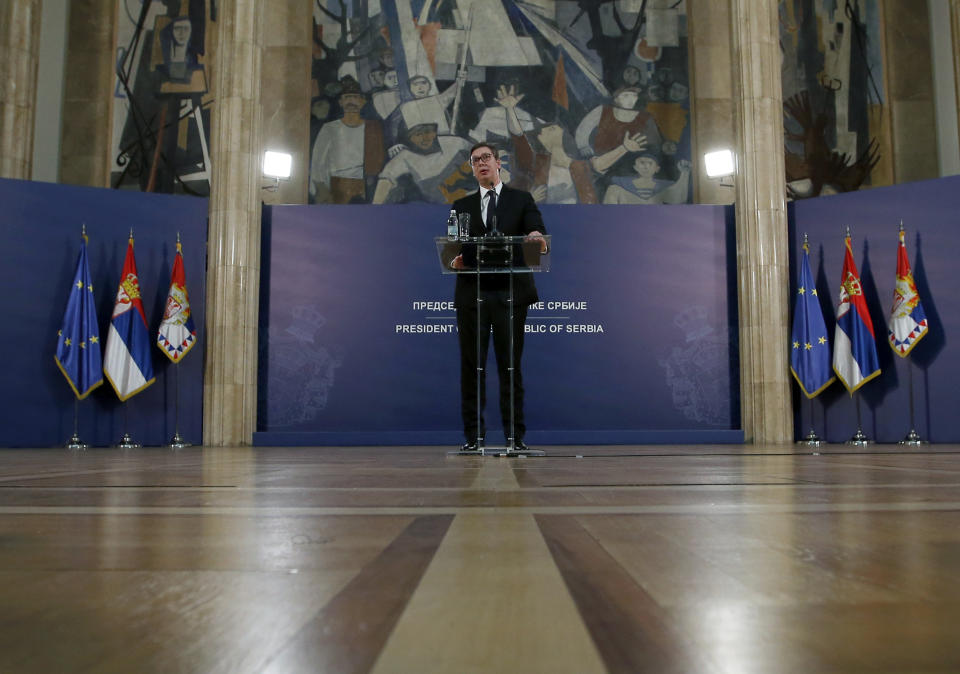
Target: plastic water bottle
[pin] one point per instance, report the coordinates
(452, 226)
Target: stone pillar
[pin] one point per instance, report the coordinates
(710, 80)
(88, 93)
(19, 56)
(910, 94)
(233, 256)
(285, 82)
(762, 264)
(955, 40)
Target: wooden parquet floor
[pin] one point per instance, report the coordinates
(666, 559)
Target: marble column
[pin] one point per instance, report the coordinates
(88, 82)
(955, 35)
(19, 56)
(287, 59)
(711, 105)
(233, 257)
(761, 221)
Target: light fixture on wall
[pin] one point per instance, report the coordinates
(720, 164)
(276, 165)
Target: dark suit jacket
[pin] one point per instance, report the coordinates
(517, 215)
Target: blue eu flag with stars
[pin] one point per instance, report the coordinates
(78, 340)
(809, 347)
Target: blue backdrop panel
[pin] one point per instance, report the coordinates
(40, 240)
(631, 342)
(929, 213)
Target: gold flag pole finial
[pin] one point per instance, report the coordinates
(901, 224)
(179, 247)
(83, 232)
(806, 242)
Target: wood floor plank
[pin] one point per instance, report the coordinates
(632, 632)
(491, 601)
(348, 634)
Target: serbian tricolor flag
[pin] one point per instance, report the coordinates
(854, 345)
(126, 362)
(177, 333)
(908, 322)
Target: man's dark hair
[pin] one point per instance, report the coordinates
(493, 150)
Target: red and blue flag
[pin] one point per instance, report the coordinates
(854, 344)
(126, 363)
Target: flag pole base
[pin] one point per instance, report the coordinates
(812, 440)
(126, 442)
(76, 443)
(913, 439)
(858, 439)
(177, 442)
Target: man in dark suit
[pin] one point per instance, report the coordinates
(516, 214)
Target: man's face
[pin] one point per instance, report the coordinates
(352, 102)
(390, 79)
(376, 78)
(646, 167)
(485, 166)
(424, 138)
(419, 87)
(181, 32)
(626, 100)
(631, 75)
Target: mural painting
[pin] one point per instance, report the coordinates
(161, 111)
(587, 100)
(833, 96)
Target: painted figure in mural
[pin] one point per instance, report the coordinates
(421, 167)
(494, 122)
(178, 59)
(603, 128)
(347, 152)
(386, 100)
(545, 167)
(424, 106)
(516, 215)
(644, 188)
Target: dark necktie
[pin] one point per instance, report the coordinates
(491, 209)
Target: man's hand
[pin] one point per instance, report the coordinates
(538, 236)
(634, 143)
(457, 263)
(508, 97)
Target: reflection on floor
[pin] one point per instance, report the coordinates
(617, 559)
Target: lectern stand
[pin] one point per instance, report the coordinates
(494, 254)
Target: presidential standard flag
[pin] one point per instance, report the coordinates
(810, 352)
(908, 322)
(854, 344)
(127, 361)
(78, 340)
(177, 333)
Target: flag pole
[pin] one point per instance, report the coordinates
(912, 438)
(858, 439)
(75, 442)
(177, 441)
(126, 442)
(811, 439)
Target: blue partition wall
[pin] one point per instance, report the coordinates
(634, 341)
(929, 211)
(40, 238)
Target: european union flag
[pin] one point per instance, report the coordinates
(78, 341)
(810, 350)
